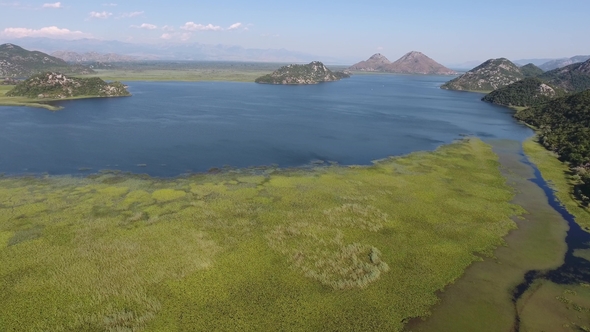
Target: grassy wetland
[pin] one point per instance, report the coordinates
(188, 71)
(333, 248)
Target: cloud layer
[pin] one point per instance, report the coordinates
(51, 32)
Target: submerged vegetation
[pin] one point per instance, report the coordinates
(334, 248)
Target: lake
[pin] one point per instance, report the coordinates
(171, 128)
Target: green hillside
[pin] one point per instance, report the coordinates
(489, 76)
(564, 127)
(528, 92)
(531, 70)
(58, 86)
(15, 61)
(573, 78)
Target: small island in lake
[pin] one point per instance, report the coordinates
(53, 85)
(312, 73)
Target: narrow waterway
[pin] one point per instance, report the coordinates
(575, 270)
(498, 293)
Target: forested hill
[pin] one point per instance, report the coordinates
(573, 78)
(564, 127)
(531, 70)
(489, 76)
(528, 92)
(58, 86)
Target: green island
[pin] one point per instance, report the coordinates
(250, 249)
(42, 88)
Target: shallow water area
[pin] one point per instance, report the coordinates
(171, 128)
(482, 300)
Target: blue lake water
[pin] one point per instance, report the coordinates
(178, 127)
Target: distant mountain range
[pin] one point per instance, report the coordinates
(171, 51)
(559, 63)
(411, 63)
(89, 57)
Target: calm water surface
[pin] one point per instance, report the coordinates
(178, 127)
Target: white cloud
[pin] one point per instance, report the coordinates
(100, 15)
(167, 28)
(51, 32)
(145, 26)
(192, 26)
(109, 4)
(235, 26)
(132, 14)
(167, 36)
(52, 5)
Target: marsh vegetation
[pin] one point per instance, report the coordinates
(346, 248)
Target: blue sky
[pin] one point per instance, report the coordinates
(449, 31)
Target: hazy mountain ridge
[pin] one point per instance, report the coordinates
(559, 63)
(92, 57)
(411, 63)
(312, 73)
(172, 51)
(572, 78)
(490, 75)
(16, 61)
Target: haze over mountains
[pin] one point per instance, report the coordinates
(92, 57)
(411, 63)
(172, 51)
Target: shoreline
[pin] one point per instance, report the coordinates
(44, 103)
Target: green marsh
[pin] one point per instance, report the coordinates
(333, 248)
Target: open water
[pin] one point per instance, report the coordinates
(171, 128)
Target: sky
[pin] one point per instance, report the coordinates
(451, 31)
